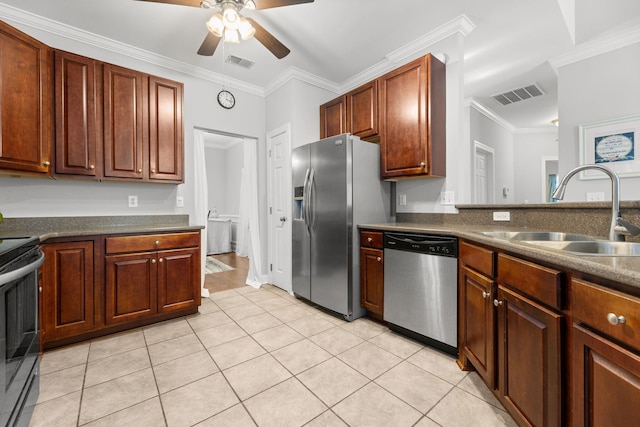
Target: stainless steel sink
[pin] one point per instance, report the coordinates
(538, 236)
(592, 248)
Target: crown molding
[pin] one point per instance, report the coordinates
(473, 103)
(294, 73)
(72, 33)
(597, 47)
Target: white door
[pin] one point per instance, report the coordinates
(483, 173)
(280, 205)
(481, 178)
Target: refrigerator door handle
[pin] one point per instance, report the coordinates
(305, 200)
(312, 207)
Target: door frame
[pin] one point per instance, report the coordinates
(284, 280)
(491, 170)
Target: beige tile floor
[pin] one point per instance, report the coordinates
(259, 357)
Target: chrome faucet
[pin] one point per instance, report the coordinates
(618, 227)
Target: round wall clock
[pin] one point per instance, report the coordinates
(226, 99)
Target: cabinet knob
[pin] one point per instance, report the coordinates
(369, 239)
(614, 320)
(40, 289)
(496, 302)
(139, 170)
(153, 261)
(153, 171)
(422, 164)
(47, 163)
(157, 242)
(92, 167)
(161, 260)
(485, 294)
(379, 259)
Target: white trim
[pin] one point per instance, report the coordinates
(292, 73)
(597, 47)
(491, 169)
(473, 103)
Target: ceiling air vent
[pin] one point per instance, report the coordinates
(236, 60)
(518, 94)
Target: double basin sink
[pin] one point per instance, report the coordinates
(576, 244)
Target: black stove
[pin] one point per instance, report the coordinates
(13, 248)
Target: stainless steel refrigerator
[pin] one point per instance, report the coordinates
(336, 186)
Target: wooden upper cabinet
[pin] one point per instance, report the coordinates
(125, 115)
(25, 103)
(355, 112)
(77, 115)
(166, 158)
(412, 107)
(333, 117)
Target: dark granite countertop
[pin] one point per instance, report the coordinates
(622, 269)
(52, 227)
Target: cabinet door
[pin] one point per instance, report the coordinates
(362, 108)
(178, 279)
(76, 113)
(125, 122)
(67, 290)
(477, 319)
(130, 286)
(165, 130)
(25, 103)
(333, 118)
(529, 360)
(606, 382)
(412, 112)
(372, 281)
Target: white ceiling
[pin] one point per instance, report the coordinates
(510, 46)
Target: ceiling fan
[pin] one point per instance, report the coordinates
(228, 24)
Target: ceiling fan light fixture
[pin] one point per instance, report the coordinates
(231, 18)
(249, 4)
(215, 25)
(231, 36)
(245, 29)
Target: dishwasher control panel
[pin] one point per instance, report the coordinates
(422, 243)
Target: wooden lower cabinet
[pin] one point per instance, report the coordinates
(67, 298)
(529, 359)
(477, 317)
(606, 381)
(372, 281)
(106, 284)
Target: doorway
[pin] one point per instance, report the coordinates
(483, 173)
(549, 178)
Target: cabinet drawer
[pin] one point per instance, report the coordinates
(371, 239)
(480, 259)
(151, 242)
(593, 305)
(541, 283)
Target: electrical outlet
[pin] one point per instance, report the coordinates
(447, 198)
(179, 202)
(502, 216)
(133, 201)
(402, 200)
(595, 197)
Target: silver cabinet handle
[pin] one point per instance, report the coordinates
(161, 260)
(496, 302)
(369, 239)
(139, 170)
(47, 163)
(614, 320)
(157, 242)
(422, 164)
(153, 261)
(92, 167)
(485, 294)
(379, 259)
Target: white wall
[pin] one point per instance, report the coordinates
(234, 157)
(217, 184)
(529, 149)
(600, 88)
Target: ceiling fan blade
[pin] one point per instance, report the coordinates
(193, 3)
(268, 4)
(270, 42)
(209, 45)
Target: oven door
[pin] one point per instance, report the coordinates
(19, 340)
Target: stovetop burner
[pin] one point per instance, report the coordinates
(14, 247)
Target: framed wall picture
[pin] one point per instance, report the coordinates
(611, 143)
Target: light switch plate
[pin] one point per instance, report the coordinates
(502, 216)
(179, 202)
(595, 197)
(133, 201)
(402, 200)
(447, 198)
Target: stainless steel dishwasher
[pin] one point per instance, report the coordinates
(420, 287)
